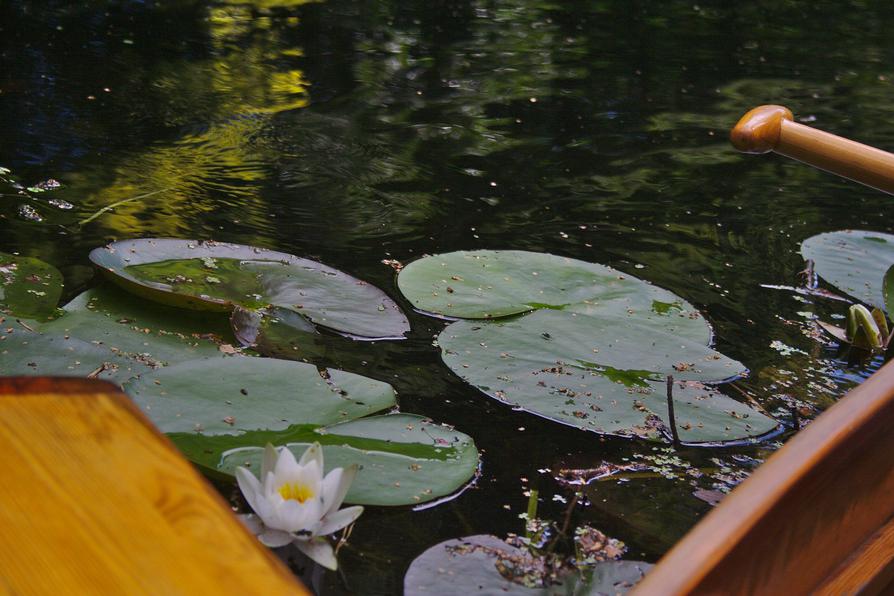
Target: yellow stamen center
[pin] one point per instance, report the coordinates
(295, 490)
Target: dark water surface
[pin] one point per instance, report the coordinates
(352, 132)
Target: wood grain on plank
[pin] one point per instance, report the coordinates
(94, 500)
(868, 570)
(814, 514)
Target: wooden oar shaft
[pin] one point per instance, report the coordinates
(772, 128)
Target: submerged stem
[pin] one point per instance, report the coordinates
(108, 208)
(532, 512)
(670, 410)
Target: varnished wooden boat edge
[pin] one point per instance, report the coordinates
(93, 391)
(857, 424)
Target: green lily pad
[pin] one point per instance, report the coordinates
(249, 326)
(404, 459)
(220, 276)
(603, 374)
(238, 395)
(29, 288)
(109, 335)
(25, 351)
(854, 261)
(888, 290)
(487, 284)
(471, 565)
(704, 415)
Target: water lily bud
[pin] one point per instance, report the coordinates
(862, 330)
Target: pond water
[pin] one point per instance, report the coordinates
(357, 132)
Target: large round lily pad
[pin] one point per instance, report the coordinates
(404, 459)
(603, 374)
(29, 288)
(471, 565)
(106, 334)
(238, 395)
(221, 276)
(854, 261)
(487, 284)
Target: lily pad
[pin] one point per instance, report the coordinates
(220, 276)
(888, 290)
(238, 395)
(249, 326)
(487, 284)
(854, 261)
(404, 459)
(109, 335)
(603, 374)
(29, 288)
(704, 415)
(470, 565)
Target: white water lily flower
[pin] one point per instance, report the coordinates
(295, 503)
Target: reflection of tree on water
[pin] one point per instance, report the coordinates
(417, 109)
(219, 97)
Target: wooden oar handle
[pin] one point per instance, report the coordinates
(772, 128)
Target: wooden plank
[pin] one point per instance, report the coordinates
(815, 504)
(94, 500)
(870, 570)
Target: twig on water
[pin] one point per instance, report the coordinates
(670, 411)
(108, 208)
(566, 524)
(750, 398)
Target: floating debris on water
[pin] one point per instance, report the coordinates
(60, 204)
(29, 213)
(49, 184)
(785, 349)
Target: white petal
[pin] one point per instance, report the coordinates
(311, 475)
(329, 490)
(285, 463)
(268, 487)
(319, 550)
(275, 538)
(336, 485)
(265, 510)
(252, 522)
(338, 520)
(250, 487)
(313, 453)
(268, 462)
(291, 516)
(299, 517)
